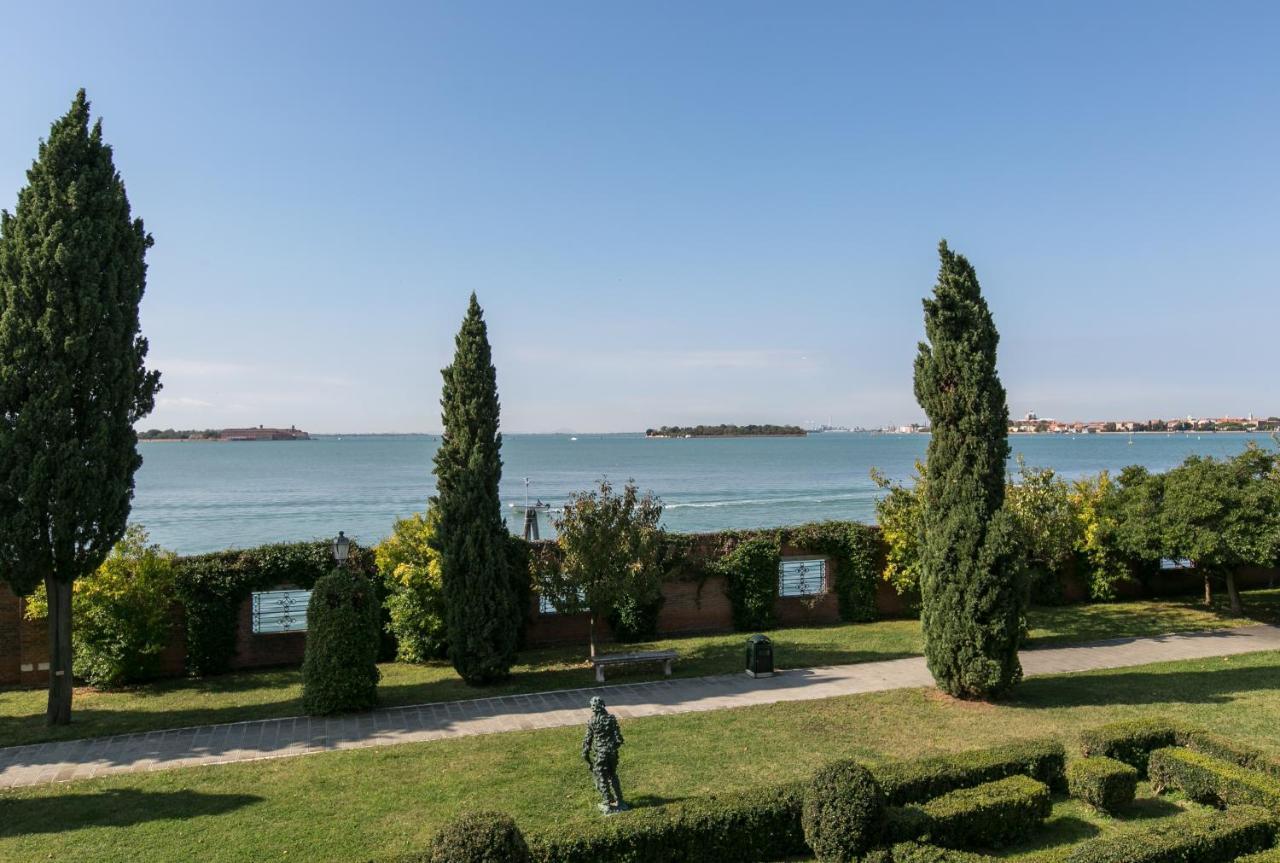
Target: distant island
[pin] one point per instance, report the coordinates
(258, 433)
(727, 431)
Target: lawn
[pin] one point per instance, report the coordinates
(263, 694)
(351, 805)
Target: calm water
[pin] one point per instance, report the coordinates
(196, 497)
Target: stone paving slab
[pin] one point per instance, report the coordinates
(71, 760)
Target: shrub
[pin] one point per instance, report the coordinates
(410, 570)
(1229, 750)
(925, 778)
(842, 812)
(762, 824)
(340, 668)
(478, 837)
(1206, 779)
(1271, 855)
(632, 620)
(122, 611)
(1131, 741)
(992, 814)
(1103, 783)
(750, 571)
(914, 852)
(1214, 837)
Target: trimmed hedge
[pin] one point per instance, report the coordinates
(478, 837)
(1206, 779)
(1131, 741)
(841, 817)
(762, 824)
(914, 852)
(340, 667)
(925, 778)
(1271, 855)
(1103, 783)
(990, 815)
(1215, 837)
(1229, 750)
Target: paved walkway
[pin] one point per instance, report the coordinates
(280, 738)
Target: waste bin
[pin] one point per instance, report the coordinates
(759, 656)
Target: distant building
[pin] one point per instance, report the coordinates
(263, 433)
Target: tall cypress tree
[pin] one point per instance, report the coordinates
(482, 616)
(970, 583)
(72, 375)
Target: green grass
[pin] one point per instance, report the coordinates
(264, 694)
(350, 805)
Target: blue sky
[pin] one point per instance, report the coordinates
(678, 212)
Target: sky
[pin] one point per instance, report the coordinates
(678, 212)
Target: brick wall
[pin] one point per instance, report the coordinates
(255, 650)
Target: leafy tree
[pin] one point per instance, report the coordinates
(900, 514)
(410, 569)
(971, 590)
(1048, 527)
(123, 612)
(72, 377)
(1223, 515)
(1095, 504)
(609, 547)
(482, 614)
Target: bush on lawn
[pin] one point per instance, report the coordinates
(761, 824)
(925, 778)
(477, 837)
(842, 812)
(1215, 837)
(1103, 783)
(1131, 741)
(1206, 779)
(989, 815)
(914, 852)
(340, 667)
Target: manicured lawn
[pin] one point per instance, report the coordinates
(351, 805)
(262, 694)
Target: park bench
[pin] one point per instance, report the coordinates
(666, 657)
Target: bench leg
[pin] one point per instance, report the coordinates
(666, 668)
(599, 674)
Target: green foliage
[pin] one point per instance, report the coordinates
(123, 612)
(855, 553)
(921, 779)
(1229, 750)
(900, 514)
(971, 589)
(762, 824)
(1095, 503)
(410, 571)
(1130, 742)
(1271, 855)
(72, 375)
(482, 612)
(914, 852)
(1048, 528)
(340, 668)
(750, 570)
(477, 837)
(989, 815)
(1103, 783)
(609, 550)
(723, 430)
(211, 588)
(1211, 780)
(632, 620)
(843, 805)
(1216, 837)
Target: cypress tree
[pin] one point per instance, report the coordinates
(482, 616)
(72, 375)
(970, 585)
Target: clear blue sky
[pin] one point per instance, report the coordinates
(678, 212)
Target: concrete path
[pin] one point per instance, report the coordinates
(39, 764)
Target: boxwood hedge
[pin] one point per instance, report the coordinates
(925, 778)
(1103, 783)
(1206, 779)
(1131, 741)
(989, 815)
(1214, 837)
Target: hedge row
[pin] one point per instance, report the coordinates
(1207, 779)
(751, 825)
(922, 779)
(1215, 837)
(1271, 855)
(1131, 741)
(914, 852)
(989, 815)
(1103, 783)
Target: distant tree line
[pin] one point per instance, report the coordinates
(723, 430)
(178, 434)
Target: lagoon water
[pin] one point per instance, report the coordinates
(195, 497)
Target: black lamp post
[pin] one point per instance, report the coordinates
(341, 547)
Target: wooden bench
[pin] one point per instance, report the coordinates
(666, 657)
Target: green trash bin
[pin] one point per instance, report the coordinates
(759, 656)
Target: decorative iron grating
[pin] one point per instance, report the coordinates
(280, 610)
(802, 577)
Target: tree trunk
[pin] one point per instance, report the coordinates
(59, 593)
(1208, 590)
(1237, 607)
(591, 626)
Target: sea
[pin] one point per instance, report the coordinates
(203, 496)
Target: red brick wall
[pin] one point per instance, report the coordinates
(273, 648)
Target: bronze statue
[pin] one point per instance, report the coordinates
(600, 750)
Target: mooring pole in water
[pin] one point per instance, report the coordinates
(530, 524)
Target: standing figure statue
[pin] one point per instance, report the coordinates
(600, 749)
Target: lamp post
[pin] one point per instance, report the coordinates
(341, 548)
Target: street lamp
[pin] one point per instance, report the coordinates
(341, 547)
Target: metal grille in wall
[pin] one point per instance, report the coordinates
(280, 610)
(802, 577)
